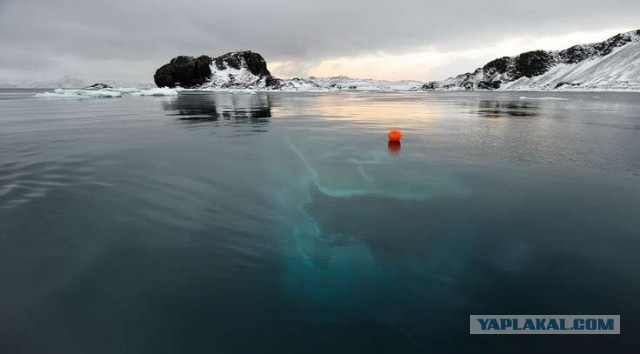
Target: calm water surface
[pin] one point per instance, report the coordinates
(283, 223)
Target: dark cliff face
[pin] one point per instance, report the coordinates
(184, 71)
(500, 65)
(576, 54)
(190, 72)
(532, 64)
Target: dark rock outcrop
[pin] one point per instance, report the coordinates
(98, 86)
(576, 54)
(564, 84)
(184, 71)
(431, 85)
(190, 72)
(500, 65)
(489, 85)
(533, 63)
(273, 82)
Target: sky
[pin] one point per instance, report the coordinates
(126, 41)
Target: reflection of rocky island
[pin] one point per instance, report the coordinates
(215, 106)
(508, 109)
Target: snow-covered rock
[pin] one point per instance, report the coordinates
(98, 86)
(610, 65)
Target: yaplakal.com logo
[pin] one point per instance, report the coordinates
(544, 324)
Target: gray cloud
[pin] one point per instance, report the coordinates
(113, 37)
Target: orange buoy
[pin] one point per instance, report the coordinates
(395, 135)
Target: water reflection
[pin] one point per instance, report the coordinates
(508, 109)
(374, 110)
(394, 147)
(212, 107)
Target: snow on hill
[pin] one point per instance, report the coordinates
(610, 65)
(619, 70)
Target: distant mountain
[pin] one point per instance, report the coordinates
(610, 65)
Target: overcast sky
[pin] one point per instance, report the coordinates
(401, 39)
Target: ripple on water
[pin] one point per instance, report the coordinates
(23, 181)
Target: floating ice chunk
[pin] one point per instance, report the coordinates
(66, 93)
(108, 93)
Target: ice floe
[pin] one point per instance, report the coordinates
(108, 93)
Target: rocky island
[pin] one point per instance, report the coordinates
(235, 69)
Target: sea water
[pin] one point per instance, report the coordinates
(284, 222)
